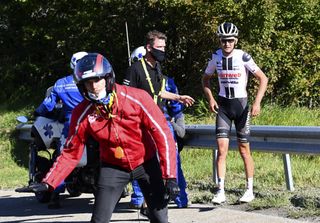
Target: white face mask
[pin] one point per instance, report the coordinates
(98, 97)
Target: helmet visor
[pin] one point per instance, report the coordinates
(92, 66)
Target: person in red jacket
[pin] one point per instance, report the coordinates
(134, 139)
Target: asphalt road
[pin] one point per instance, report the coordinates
(24, 208)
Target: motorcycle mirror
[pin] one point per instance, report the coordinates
(22, 119)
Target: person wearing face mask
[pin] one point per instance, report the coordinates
(134, 141)
(146, 73)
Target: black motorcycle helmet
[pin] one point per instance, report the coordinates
(91, 66)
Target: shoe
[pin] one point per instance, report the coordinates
(182, 205)
(247, 196)
(54, 201)
(219, 197)
(144, 212)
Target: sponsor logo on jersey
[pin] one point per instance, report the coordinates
(229, 82)
(247, 128)
(230, 75)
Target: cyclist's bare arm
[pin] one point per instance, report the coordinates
(213, 105)
(263, 82)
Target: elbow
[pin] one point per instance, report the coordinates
(205, 82)
(265, 81)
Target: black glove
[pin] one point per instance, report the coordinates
(25, 189)
(34, 187)
(172, 189)
(39, 187)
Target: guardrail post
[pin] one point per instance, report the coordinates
(287, 171)
(214, 166)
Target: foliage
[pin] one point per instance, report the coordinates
(37, 39)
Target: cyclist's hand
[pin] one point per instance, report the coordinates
(255, 110)
(214, 107)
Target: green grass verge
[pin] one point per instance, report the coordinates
(269, 182)
(13, 152)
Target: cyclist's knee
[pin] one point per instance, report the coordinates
(244, 150)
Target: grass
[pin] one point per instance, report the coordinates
(288, 116)
(270, 115)
(13, 153)
(269, 182)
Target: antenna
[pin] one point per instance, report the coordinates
(128, 44)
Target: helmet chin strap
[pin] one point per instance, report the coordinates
(97, 97)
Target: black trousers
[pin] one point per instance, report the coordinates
(113, 179)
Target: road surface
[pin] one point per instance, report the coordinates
(23, 207)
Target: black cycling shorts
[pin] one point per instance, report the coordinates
(237, 110)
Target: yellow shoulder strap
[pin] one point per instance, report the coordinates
(155, 97)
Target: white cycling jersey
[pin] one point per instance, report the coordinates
(232, 72)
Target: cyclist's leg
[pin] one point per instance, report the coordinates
(242, 124)
(223, 126)
(245, 152)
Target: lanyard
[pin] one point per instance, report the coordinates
(108, 107)
(155, 96)
(118, 151)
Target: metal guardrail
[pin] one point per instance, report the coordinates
(276, 139)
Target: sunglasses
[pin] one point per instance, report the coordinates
(224, 41)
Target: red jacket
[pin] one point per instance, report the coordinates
(138, 127)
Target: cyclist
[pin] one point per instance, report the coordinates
(233, 67)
